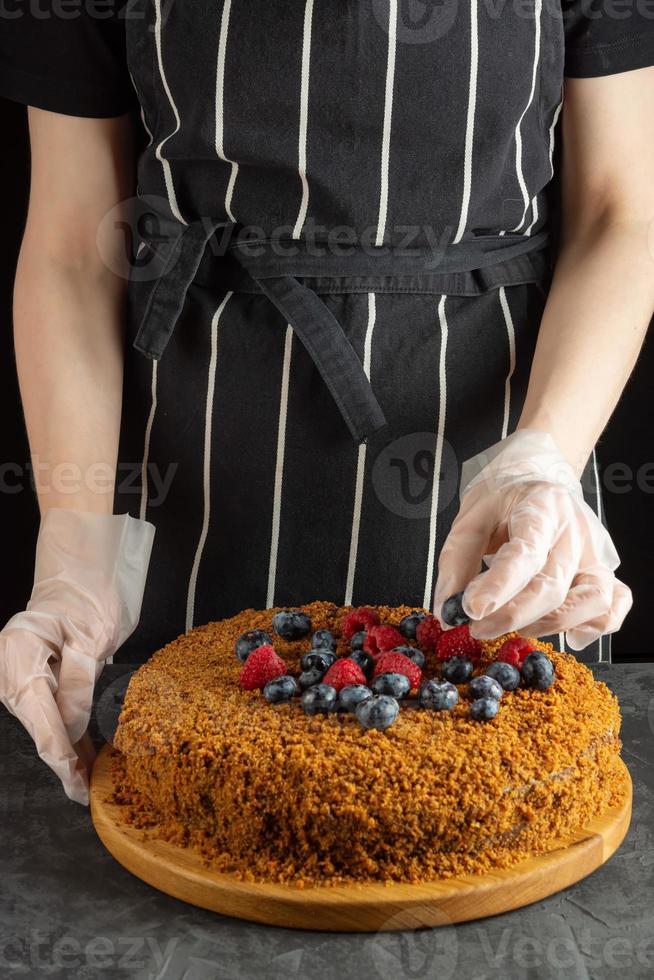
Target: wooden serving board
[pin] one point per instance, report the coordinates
(179, 872)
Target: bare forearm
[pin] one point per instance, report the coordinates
(597, 314)
(68, 337)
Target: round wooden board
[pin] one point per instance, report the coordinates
(179, 872)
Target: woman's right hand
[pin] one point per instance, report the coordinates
(88, 587)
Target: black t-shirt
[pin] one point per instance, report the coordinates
(69, 56)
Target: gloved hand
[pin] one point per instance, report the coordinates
(550, 560)
(88, 586)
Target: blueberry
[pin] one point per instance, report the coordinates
(317, 659)
(412, 653)
(505, 674)
(484, 709)
(352, 695)
(247, 642)
(458, 670)
(438, 695)
(538, 671)
(396, 685)
(319, 700)
(280, 689)
(291, 625)
(410, 624)
(309, 678)
(452, 611)
(377, 712)
(357, 641)
(323, 640)
(364, 660)
(484, 686)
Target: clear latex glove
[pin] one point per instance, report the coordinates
(89, 580)
(550, 560)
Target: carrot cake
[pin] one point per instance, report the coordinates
(324, 745)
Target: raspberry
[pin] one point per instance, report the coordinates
(428, 632)
(343, 673)
(397, 663)
(358, 620)
(514, 650)
(381, 639)
(263, 665)
(457, 643)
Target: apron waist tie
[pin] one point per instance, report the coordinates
(158, 301)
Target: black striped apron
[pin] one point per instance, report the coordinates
(338, 296)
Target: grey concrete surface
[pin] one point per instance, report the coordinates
(68, 910)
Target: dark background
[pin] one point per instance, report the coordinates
(625, 453)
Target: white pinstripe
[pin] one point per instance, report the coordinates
(361, 462)
(168, 177)
(388, 116)
(146, 447)
(438, 456)
(557, 113)
(208, 423)
(279, 467)
(598, 504)
(518, 130)
(304, 116)
(220, 107)
(510, 331)
(470, 124)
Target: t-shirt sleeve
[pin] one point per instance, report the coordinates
(66, 57)
(605, 37)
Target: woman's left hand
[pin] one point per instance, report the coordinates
(550, 559)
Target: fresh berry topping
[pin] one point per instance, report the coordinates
(505, 674)
(319, 700)
(364, 660)
(281, 689)
(352, 695)
(438, 695)
(318, 659)
(396, 663)
(358, 641)
(377, 712)
(359, 619)
(538, 671)
(397, 685)
(514, 650)
(452, 611)
(291, 624)
(262, 665)
(309, 678)
(457, 642)
(484, 709)
(247, 642)
(412, 653)
(381, 639)
(344, 673)
(323, 640)
(484, 686)
(410, 624)
(458, 670)
(428, 632)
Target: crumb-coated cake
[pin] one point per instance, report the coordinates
(327, 745)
